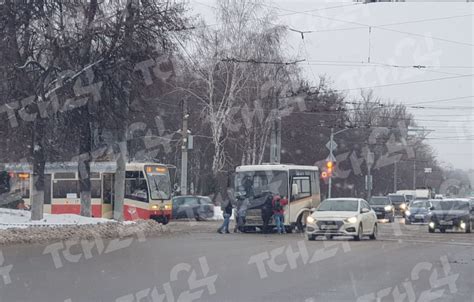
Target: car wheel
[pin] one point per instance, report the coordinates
(431, 230)
(468, 227)
(374, 233)
(311, 237)
(358, 237)
(392, 219)
(442, 230)
(407, 221)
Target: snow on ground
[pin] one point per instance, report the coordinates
(21, 219)
(219, 214)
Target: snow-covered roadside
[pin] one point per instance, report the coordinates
(16, 228)
(219, 214)
(21, 219)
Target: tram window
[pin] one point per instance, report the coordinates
(95, 175)
(24, 186)
(63, 187)
(136, 187)
(4, 182)
(95, 188)
(64, 175)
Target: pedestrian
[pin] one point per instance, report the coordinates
(267, 212)
(241, 213)
(227, 211)
(278, 205)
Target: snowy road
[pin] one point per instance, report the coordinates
(406, 263)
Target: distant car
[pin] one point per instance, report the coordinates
(417, 212)
(197, 207)
(400, 203)
(451, 214)
(342, 217)
(383, 208)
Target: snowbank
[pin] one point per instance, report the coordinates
(21, 219)
(140, 229)
(16, 227)
(219, 214)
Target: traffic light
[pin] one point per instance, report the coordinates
(329, 167)
(324, 175)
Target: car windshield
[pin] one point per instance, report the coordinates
(397, 199)
(205, 200)
(419, 204)
(451, 205)
(379, 201)
(339, 205)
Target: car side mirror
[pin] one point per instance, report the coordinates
(364, 210)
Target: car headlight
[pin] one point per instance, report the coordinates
(310, 220)
(431, 225)
(408, 213)
(351, 220)
(462, 225)
(403, 206)
(388, 208)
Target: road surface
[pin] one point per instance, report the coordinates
(405, 263)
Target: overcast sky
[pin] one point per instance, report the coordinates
(339, 46)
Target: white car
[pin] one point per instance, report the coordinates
(342, 217)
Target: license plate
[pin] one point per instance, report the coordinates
(328, 227)
(419, 216)
(378, 213)
(446, 223)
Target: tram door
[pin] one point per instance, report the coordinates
(108, 195)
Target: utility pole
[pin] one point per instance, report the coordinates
(369, 183)
(414, 173)
(275, 138)
(331, 157)
(395, 168)
(184, 150)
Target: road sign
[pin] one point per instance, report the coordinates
(370, 158)
(428, 170)
(334, 146)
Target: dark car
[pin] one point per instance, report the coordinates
(383, 208)
(418, 211)
(451, 214)
(399, 201)
(198, 207)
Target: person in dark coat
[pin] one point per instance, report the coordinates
(267, 212)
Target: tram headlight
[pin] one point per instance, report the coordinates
(167, 207)
(154, 207)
